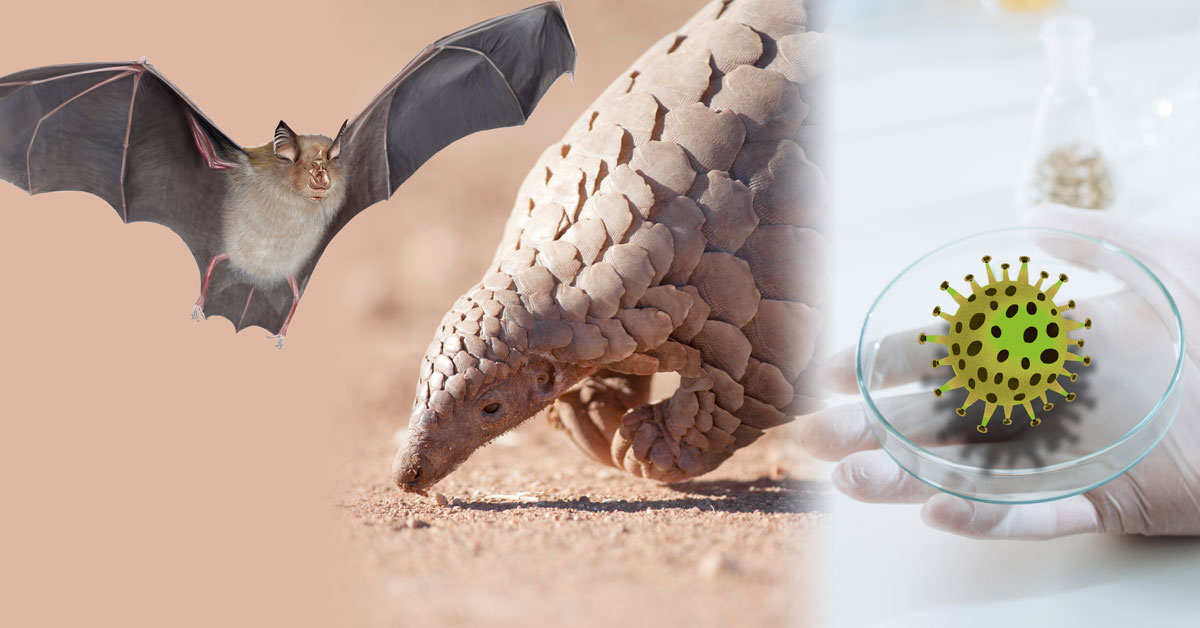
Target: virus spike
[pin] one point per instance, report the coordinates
(954, 382)
(1004, 267)
(937, 311)
(946, 361)
(971, 399)
(975, 288)
(1042, 277)
(987, 263)
(960, 299)
(1057, 387)
(940, 340)
(1069, 374)
(1033, 420)
(1071, 357)
(1008, 415)
(1023, 275)
(988, 410)
(1053, 290)
(1073, 325)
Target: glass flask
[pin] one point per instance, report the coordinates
(1069, 160)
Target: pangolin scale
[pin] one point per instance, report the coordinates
(671, 230)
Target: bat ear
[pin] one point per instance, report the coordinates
(335, 149)
(286, 145)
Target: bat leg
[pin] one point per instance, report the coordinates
(282, 335)
(198, 308)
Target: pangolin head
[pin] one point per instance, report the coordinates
(478, 379)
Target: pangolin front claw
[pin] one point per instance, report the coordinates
(591, 413)
(198, 313)
(644, 447)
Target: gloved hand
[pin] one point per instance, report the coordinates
(1160, 495)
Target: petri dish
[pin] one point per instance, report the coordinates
(1124, 402)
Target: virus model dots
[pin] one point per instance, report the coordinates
(1008, 343)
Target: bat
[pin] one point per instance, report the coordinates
(257, 219)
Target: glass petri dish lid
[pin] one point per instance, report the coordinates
(1122, 401)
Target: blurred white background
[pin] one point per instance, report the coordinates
(934, 107)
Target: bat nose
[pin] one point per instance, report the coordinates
(318, 180)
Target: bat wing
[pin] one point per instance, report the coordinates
(123, 132)
(486, 76)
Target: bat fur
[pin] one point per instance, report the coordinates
(272, 221)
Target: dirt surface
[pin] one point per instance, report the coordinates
(533, 533)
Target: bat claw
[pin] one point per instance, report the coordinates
(198, 314)
(280, 338)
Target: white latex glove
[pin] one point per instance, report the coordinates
(1160, 495)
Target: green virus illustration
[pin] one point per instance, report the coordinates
(1008, 343)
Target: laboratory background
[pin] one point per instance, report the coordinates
(948, 124)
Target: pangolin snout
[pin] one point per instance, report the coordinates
(407, 476)
(409, 467)
(406, 471)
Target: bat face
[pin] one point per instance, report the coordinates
(444, 431)
(317, 171)
(309, 164)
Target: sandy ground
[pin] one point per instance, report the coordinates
(535, 534)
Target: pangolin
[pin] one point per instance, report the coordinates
(671, 230)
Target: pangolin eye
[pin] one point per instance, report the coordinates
(492, 408)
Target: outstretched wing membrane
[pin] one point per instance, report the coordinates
(486, 76)
(122, 132)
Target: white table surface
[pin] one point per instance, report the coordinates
(933, 112)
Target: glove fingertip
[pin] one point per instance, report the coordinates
(814, 438)
(949, 514)
(839, 372)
